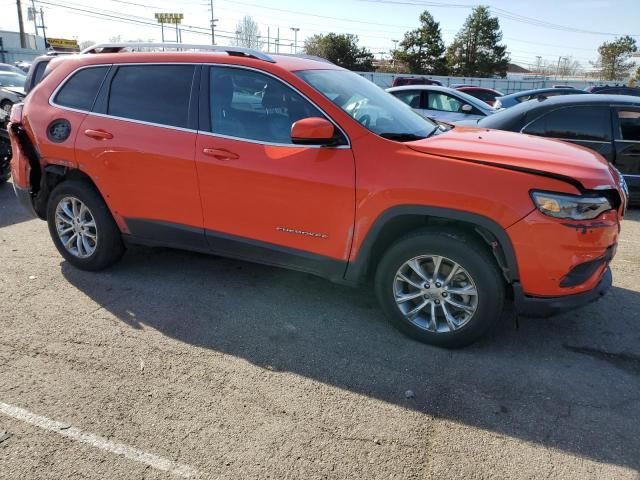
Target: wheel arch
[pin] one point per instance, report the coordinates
(397, 221)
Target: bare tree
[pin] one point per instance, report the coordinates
(247, 33)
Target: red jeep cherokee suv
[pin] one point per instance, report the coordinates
(295, 162)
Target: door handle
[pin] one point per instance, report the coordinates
(220, 153)
(98, 134)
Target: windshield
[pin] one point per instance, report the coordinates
(11, 80)
(368, 104)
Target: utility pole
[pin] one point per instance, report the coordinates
(23, 40)
(213, 25)
(295, 41)
(268, 39)
(32, 15)
(44, 28)
(278, 41)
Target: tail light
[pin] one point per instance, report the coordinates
(15, 117)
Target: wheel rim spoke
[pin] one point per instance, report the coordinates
(462, 291)
(409, 296)
(449, 318)
(462, 306)
(437, 261)
(415, 310)
(409, 281)
(415, 266)
(452, 273)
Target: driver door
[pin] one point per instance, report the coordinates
(263, 197)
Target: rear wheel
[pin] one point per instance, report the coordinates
(440, 288)
(82, 227)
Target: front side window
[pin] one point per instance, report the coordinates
(10, 79)
(251, 105)
(81, 89)
(369, 105)
(573, 123)
(629, 121)
(152, 93)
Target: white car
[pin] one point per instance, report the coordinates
(11, 89)
(442, 103)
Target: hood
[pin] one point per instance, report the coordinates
(16, 90)
(520, 152)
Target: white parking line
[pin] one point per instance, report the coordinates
(99, 442)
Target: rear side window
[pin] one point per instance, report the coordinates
(152, 93)
(410, 97)
(574, 123)
(81, 89)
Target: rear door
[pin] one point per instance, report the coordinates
(448, 108)
(139, 145)
(627, 142)
(263, 197)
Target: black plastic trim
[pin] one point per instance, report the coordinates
(157, 233)
(545, 307)
(357, 270)
(24, 197)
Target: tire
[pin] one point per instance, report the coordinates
(459, 319)
(96, 254)
(6, 106)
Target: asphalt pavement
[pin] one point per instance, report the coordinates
(179, 365)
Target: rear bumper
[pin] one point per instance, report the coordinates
(24, 197)
(545, 307)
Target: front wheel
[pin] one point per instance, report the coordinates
(440, 288)
(82, 227)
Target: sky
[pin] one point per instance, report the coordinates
(548, 28)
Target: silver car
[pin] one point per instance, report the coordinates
(11, 89)
(442, 103)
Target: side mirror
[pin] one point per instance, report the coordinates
(467, 108)
(313, 131)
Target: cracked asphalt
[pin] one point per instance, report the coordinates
(245, 371)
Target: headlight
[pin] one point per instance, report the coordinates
(576, 207)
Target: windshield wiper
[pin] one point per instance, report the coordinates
(402, 137)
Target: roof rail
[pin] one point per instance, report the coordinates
(233, 51)
(305, 56)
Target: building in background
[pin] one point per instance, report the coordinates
(10, 51)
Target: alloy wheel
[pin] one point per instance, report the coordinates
(435, 293)
(76, 227)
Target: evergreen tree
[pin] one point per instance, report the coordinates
(422, 50)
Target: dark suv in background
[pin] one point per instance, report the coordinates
(614, 90)
(608, 124)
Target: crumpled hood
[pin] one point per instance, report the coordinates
(520, 152)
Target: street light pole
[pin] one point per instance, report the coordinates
(295, 33)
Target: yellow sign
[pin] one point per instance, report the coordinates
(62, 43)
(169, 17)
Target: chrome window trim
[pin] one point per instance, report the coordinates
(577, 140)
(628, 141)
(181, 129)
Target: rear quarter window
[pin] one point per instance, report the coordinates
(573, 123)
(81, 89)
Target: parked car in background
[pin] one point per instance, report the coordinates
(5, 148)
(401, 81)
(23, 66)
(614, 90)
(608, 124)
(6, 67)
(442, 103)
(39, 66)
(11, 90)
(487, 95)
(526, 95)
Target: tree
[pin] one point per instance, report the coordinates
(341, 49)
(247, 33)
(476, 49)
(422, 50)
(613, 61)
